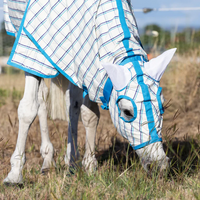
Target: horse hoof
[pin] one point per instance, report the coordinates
(8, 182)
(44, 171)
(48, 165)
(71, 171)
(20, 185)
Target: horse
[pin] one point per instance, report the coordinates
(95, 44)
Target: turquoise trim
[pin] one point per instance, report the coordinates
(10, 33)
(31, 71)
(47, 57)
(18, 36)
(10, 62)
(41, 50)
(159, 100)
(14, 48)
(105, 105)
(147, 102)
(139, 72)
(85, 91)
(134, 106)
(126, 31)
(107, 90)
(147, 143)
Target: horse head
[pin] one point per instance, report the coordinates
(136, 105)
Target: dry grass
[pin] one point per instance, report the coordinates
(11, 81)
(119, 175)
(181, 87)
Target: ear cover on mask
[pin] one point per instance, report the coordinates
(120, 75)
(157, 66)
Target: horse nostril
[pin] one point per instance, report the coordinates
(148, 167)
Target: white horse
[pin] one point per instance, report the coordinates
(64, 96)
(34, 103)
(116, 73)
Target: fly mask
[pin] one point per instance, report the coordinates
(136, 100)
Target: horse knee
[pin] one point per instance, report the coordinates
(90, 118)
(27, 110)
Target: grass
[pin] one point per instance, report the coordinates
(119, 174)
(12, 95)
(115, 180)
(11, 88)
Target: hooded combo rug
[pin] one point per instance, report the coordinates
(95, 44)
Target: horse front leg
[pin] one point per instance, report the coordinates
(46, 148)
(27, 112)
(90, 118)
(74, 100)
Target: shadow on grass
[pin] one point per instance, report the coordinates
(184, 155)
(121, 153)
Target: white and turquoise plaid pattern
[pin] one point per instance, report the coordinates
(8, 16)
(73, 37)
(143, 130)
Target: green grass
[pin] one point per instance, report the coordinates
(14, 95)
(118, 177)
(3, 96)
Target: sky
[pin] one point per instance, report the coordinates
(164, 19)
(167, 18)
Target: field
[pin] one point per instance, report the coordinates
(119, 174)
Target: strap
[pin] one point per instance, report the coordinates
(106, 94)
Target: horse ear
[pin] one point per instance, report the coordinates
(156, 66)
(119, 75)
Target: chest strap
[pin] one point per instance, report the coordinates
(106, 94)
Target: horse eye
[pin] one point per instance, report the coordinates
(126, 109)
(128, 113)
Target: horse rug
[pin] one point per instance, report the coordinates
(71, 37)
(74, 37)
